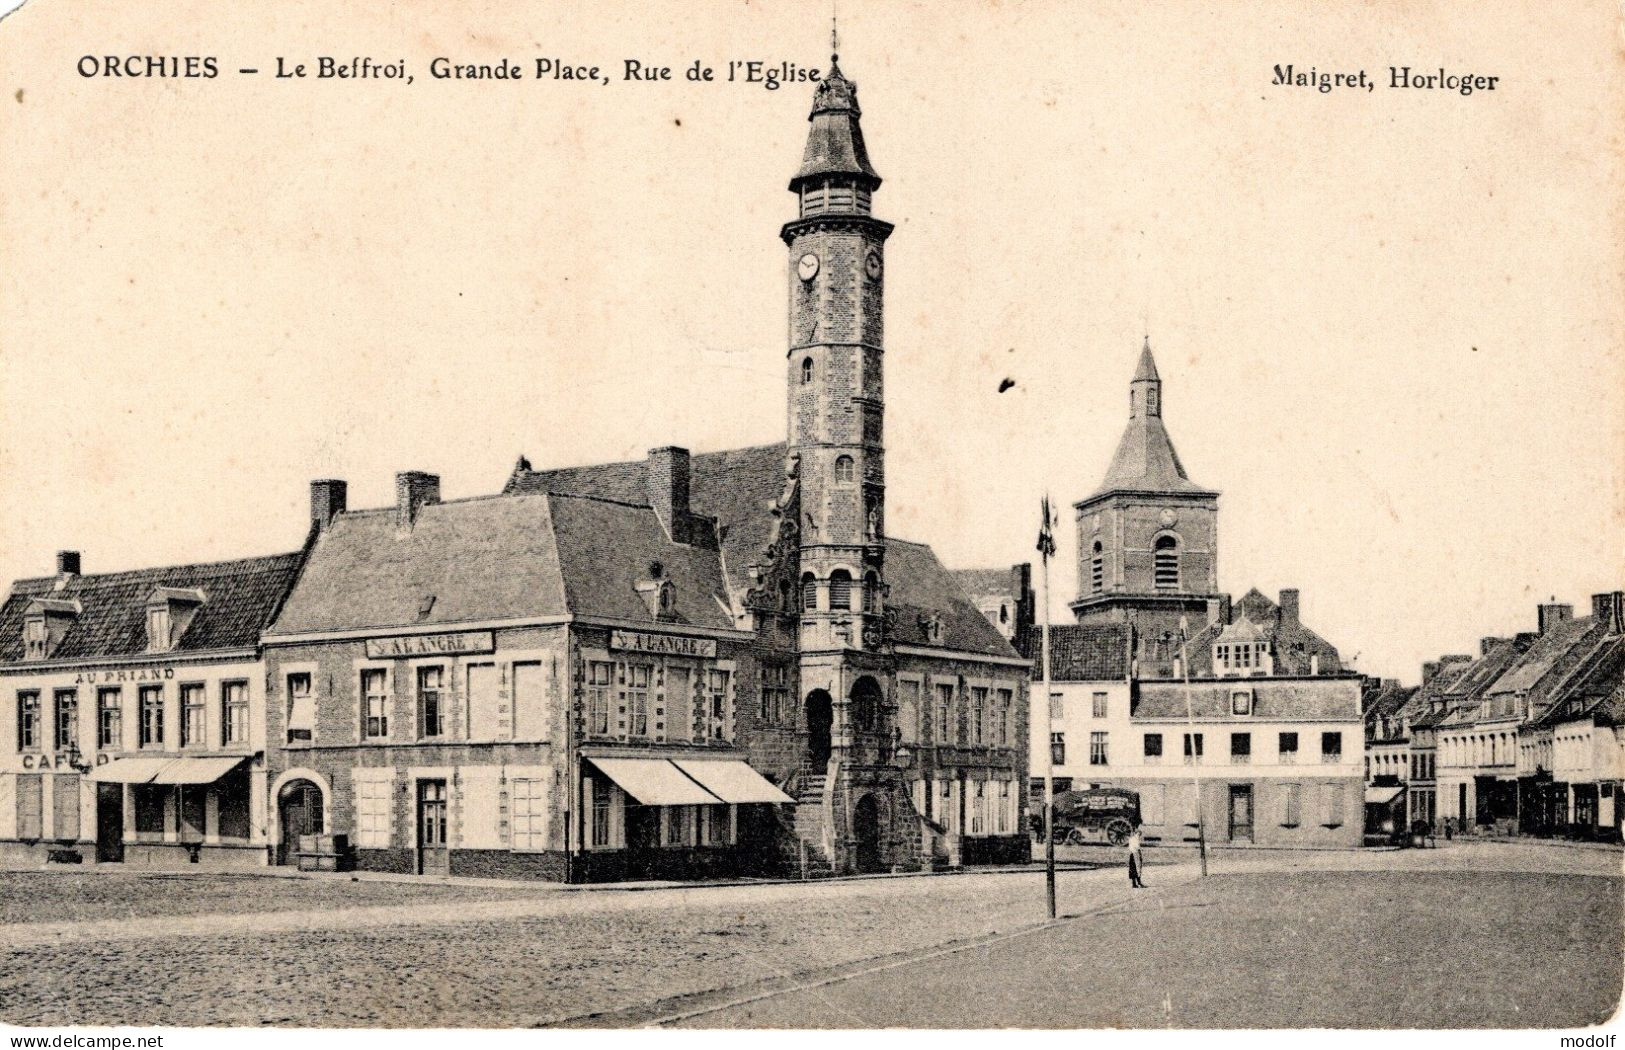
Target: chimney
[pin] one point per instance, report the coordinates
(667, 474)
(1289, 605)
(1486, 644)
(413, 489)
(328, 499)
(1218, 610)
(1429, 669)
(1550, 614)
(67, 563)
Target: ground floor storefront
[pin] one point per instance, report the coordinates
(149, 810)
(1305, 811)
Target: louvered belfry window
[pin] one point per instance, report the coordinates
(1165, 563)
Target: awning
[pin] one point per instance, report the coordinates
(190, 769)
(731, 780)
(1382, 796)
(654, 782)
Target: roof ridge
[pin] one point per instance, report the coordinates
(595, 499)
(148, 570)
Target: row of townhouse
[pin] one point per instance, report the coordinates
(676, 666)
(1523, 736)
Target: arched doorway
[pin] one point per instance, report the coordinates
(299, 811)
(820, 720)
(868, 699)
(866, 825)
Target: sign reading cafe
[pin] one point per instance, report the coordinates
(430, 645)
(667, 644)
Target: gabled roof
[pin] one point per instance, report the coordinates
(1596, 689)
(1313, 699)
(240, 599)
(1388, 701)
(921, 589)
(1465, 693)
(1433, 690)
(976, 582)
(1292, 644)
(1548, 652)
(1084, 653)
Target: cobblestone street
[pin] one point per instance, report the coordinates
(334, 952)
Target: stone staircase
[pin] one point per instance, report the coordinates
(809, 824)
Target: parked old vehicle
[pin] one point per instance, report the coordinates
(1096, 815)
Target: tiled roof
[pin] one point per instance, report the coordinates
(1465, 695)
(499, 558)
(1292, 644)
(1597, 688)
(240, 599)
(1084, 653)
(737, 488)
(1551, 650)
(976, 582)
(1314, 699)
(1434, 690)
(1388, 700)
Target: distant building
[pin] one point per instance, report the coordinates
(1004, 596)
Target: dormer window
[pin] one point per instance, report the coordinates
(1241, 701)
(46, 622)
(34, 638)
(170, 611)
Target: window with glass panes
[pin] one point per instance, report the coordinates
(109, 719)
(1288, 748)
(1331, 746)
(1098, 705)
(1193, 749)
(1006, 701)
(234, 712)
(529, 806)
(192, 715)
(775, 692)
(1153, 748)
(1057, 749)
(978, 713)
(716, 687)
(67, 719)
(374, 703)
(27, 720)
(431, 701)
(150, 700)
(1241, 748)
(1097, 749)
(301, 713)
(945, 712)
(600, 677)
(638, 677)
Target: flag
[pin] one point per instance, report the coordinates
(1046, 538)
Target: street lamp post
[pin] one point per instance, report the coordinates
(1190, 741)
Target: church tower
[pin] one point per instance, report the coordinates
(836, 394)
(1148, 536)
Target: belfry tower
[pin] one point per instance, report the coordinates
(836, 394)
(1148, 536)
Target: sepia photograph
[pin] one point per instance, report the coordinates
(645, 515)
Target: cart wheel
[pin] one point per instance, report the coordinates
(1074, 837)
(1117, 832)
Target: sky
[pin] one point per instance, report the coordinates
(1388, 323)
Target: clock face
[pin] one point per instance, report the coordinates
(871, 265)
(1168, 518)
(807, 268)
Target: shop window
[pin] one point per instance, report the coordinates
(677, 825)
(109, 719)
(716, 825)
(302, 709)
(193, 807)
(234, 713)
(149, 808)
(431, 702)
(598, 686)
(1153, 749)
(1288, 748)
(28, 728)
(67, 719)
(192, 715)
(1097, 749)
(529, 806)
(374, 703)
(150, 699)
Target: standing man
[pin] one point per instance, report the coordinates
(1135, 861)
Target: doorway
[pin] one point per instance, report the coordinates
(820, 722)
(1241, 812)
(434, 858)
(299, 808)
(109, 823)
(866, 825)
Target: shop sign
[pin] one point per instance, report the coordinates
(42, 763)
(666, 644)
(101, 676)
(431, 645)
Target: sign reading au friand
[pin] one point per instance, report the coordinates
(430, 645)
(667, 644)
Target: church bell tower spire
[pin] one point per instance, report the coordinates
(835, 383)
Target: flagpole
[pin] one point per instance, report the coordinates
(1190, 737)
(1046, 544)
